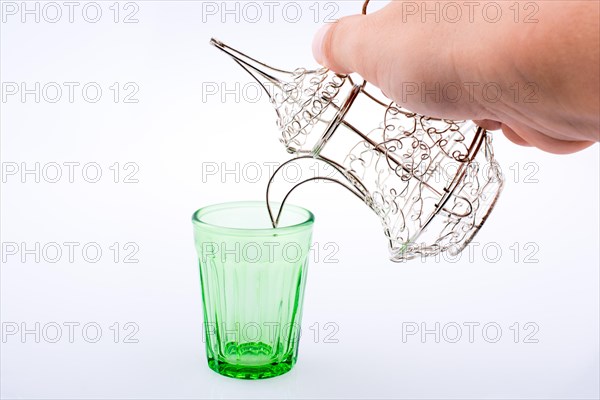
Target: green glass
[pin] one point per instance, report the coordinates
(252, 278)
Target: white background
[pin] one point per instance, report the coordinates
(172, 133)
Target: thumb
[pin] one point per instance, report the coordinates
(343, 46)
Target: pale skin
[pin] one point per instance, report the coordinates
(532, 71)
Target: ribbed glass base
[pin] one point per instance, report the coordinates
(250, 361)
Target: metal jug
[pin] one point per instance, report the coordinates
(432, 182)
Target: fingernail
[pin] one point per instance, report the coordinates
(317, 46)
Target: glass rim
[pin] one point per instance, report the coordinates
(197, 218)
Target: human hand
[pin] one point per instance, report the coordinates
(537, 81)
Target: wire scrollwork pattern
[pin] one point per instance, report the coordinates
(432, 182)
(301, 102)
(424, 173)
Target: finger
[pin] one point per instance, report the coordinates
(542, 141)
(343, 45)
(488, 124)
(514, 137)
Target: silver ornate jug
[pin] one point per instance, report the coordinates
(432, 182)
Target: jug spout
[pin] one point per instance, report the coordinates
(305, 166)
(301, 98)
(270, 78)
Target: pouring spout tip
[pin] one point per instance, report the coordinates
(216, 42)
